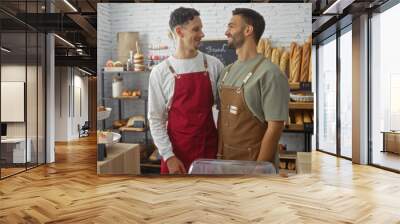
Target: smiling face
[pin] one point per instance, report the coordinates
(191, 33)
(236, 32)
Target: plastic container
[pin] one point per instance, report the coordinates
(214, 166)
(117, 86)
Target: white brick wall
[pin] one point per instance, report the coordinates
(284, 22)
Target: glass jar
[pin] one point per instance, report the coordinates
(117, 86)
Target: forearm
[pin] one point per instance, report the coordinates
(269, 143)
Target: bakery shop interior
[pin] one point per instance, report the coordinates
(114, 77)
(157, 111)
(315, 59)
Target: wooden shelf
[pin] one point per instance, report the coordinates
(127, 98)
(125, 72)
(301, 105)
(150, 165)
(294, 127)
(131, 129)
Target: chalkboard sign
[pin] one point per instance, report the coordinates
(219, 49)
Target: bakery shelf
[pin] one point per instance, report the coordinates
(126, 72)
(300, 86)
(127, 98)
(150, 165)
(301, 105)
(131, 129)
(294, 127)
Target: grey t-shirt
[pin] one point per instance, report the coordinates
(266, 92)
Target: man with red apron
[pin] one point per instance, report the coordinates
(182, 92)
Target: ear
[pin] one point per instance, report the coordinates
(249, 30)
(179, 31)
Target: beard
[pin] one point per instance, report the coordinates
(237, 40)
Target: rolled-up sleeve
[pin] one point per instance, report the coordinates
(275, 97)
(157, 115)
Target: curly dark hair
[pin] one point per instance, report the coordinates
(252, 18)
(181, 15)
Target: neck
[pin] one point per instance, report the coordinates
(184, 53)
(247, 51)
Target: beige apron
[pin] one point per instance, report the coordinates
(240, 132)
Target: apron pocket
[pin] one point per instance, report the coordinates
(239, 153)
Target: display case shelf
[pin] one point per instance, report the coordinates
(301, 105)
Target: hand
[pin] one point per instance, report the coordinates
(175, 166)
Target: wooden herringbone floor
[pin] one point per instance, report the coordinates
(69, 191)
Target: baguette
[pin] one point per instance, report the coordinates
(305, 62)
(261, 46)
(296, 63)
(291, 60)
(267, 49)
(274, 58)
(310, 71)
(283, 65)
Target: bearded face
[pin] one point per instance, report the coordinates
(235, 32)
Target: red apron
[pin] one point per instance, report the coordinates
(191, 128)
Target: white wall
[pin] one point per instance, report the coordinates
(66, 119)
(284, 22)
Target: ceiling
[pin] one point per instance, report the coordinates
(77, 22)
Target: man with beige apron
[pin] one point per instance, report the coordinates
(254, 95)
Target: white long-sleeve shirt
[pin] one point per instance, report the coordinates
(161, 90)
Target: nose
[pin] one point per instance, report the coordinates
(201, 34)
(227, 32)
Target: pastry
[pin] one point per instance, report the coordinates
(101, 108)
(126, 93)
(138, 61)
(139, 67)
(118, 123)
(109, 63)
(118, 64)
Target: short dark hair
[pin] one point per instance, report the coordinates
(252, 18)
(181, 15)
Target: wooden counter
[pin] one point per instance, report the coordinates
(122, 158)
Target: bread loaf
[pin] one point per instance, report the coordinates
(310, 71)
(267, 49)
(274, 56)
(291, 165)
(293, 46)
(261, 46)
(283, 64)
(305, 62)
(306, 117)
(298, 117)
(295, 64)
